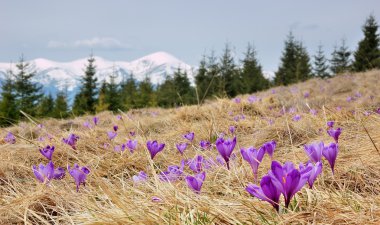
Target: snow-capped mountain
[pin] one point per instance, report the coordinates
(56, 76)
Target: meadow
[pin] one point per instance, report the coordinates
(115, 192)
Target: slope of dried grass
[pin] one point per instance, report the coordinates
(110, 197)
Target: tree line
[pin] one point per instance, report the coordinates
(216, 76)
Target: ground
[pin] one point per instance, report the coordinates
(110, 196)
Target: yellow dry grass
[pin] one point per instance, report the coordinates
(352, 196)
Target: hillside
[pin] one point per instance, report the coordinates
(111, 196)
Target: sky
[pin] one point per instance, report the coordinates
(126, 30)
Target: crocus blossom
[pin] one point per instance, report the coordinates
(335, 133)
(330, 152)
(296, 117)
(79, 174)
(173, 173)
(197, 164)
(269, 147)
(189, 136)
(314, 151)
(181, 147)
(154, 147)
(266, 192)
(232, 129)
(10, 138)
(71, 140)
(111, 135)
(131, 145)
(330, 124)
(253, 157)
(287, 179)
(140, 177)
(87, 124)
(196, 182)
(115, 128)
(205, 144)
(95, 120)
(47, 151)
(225, 148)
(47, 173)
(313, 172)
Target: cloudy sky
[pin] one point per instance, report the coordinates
(126, 29)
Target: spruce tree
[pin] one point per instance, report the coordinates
(129, 93)
(28, 93)
(60, 106)
(113, 94)
(85, 100)
(212, 77)
(286, 72)
(8, 106)
(102, 104)
(303, 67)
(185, 93)
(340, 61)
(228, 74)
(367, 56)
(146, 95)
(201, 80)
(46, 106)
(320, 68)
(167, 94)
(252, 76)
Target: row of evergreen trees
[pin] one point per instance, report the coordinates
(216, 77)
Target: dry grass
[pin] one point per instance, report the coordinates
(110, 197)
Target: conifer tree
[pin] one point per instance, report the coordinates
(367, 56)
(102, 104)
(85, 100)
(303, 67)
(129, 93)
(113, 94)
(46, 106)
(253, 79)
(228, 74)
(8, 107)
(28, 93)
(60, 106)
(340, 61)
(185, 93)
(212, 77)
(166, 93)
(201, 80)
(146, 95)
(320, 68)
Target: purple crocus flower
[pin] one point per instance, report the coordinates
(330, 153)
(313, 112)
(312, 173)
(205, 144)
(252, 99)
(269, 147)
(79, 174)
(189, 136)
(225, 148)
(378, 110)
(46, 173)
(10, 138)
(330, 124)
(296, 117)
(287, 179)
(71, 140)
(47, 151)
(95, 120)
(119, 117)
(237, 100)
(196, 182)
(87, 124)
(197, 164)
(266, 192)
(154, 147)
(115, 128)
(232, 129)
(140, 177)
(306, 95)
(131, 145)
(314, 151)
(173, 173)
(335, 133)
(132, 133)
(220, 160)
(253, 157)
(111, 135)
(181, 147)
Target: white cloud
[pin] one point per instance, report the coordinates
(95, 42)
